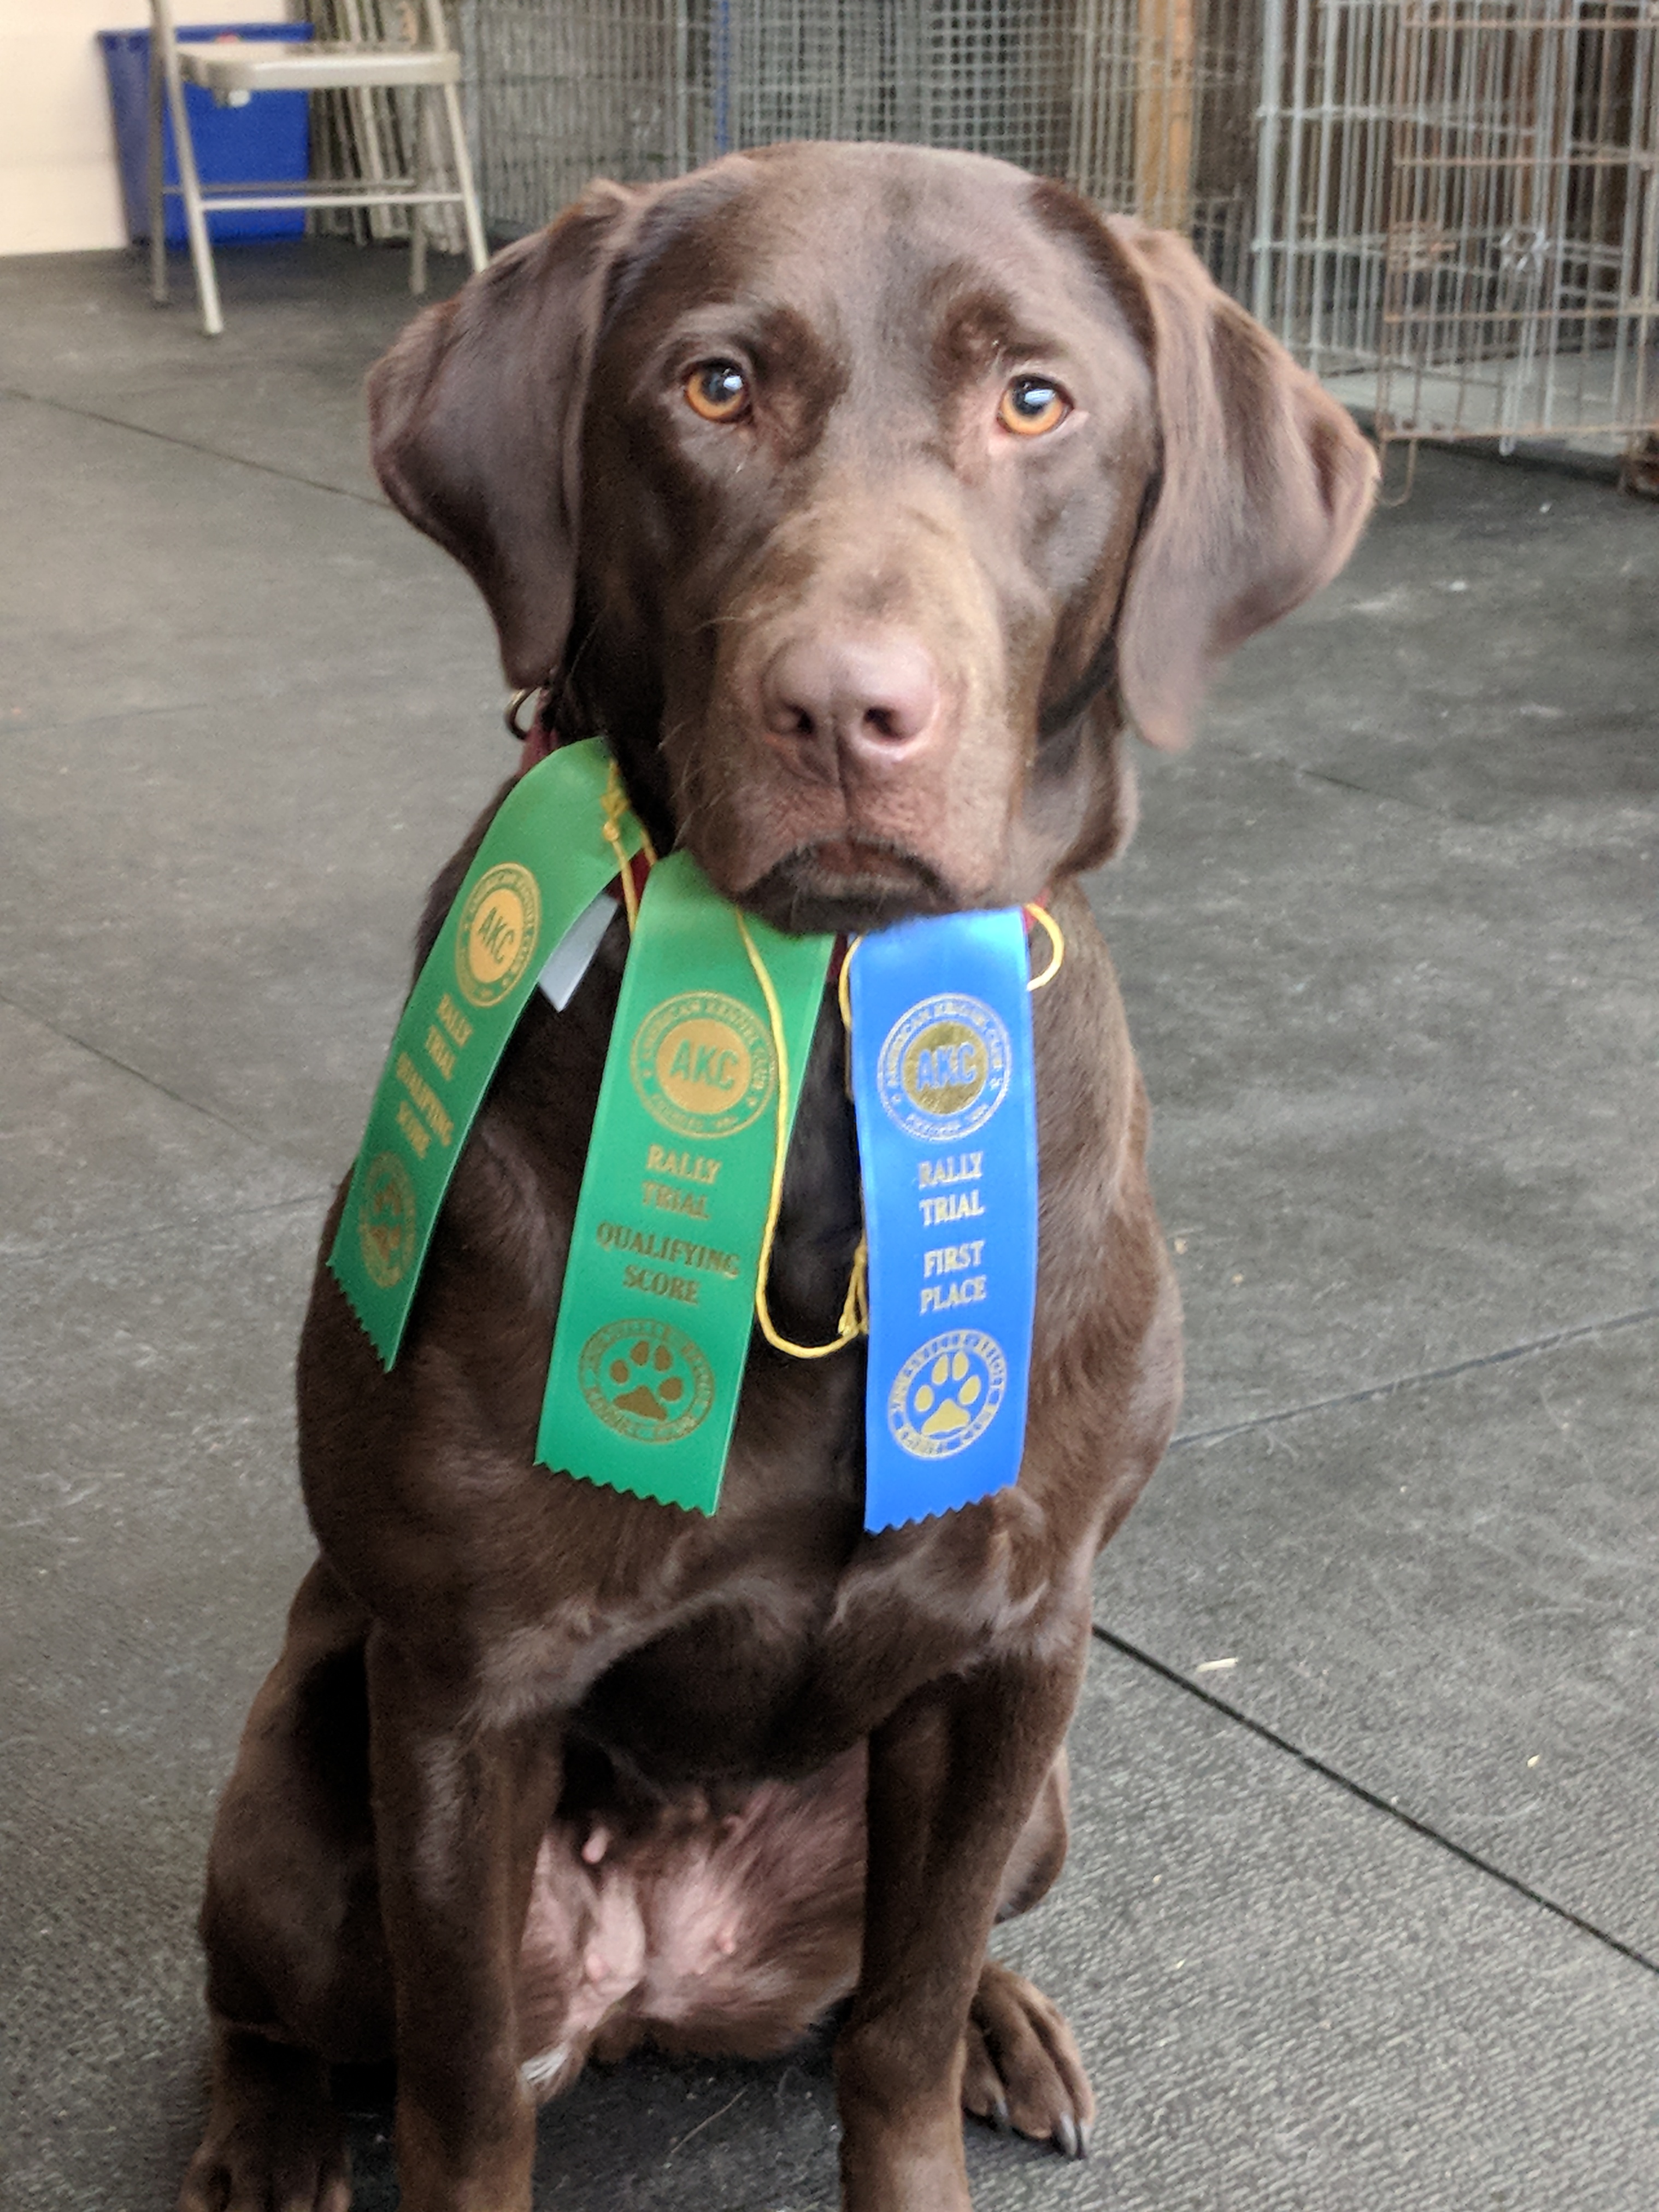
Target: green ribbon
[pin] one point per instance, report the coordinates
(676, 1196)
(701, 1083)
(557, 839)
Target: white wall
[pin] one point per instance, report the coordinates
(58, 188)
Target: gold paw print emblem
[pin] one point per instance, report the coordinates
(948, 1396)
(646, 1380)
(387, 1220)
(656, 1391)
(947, 1393)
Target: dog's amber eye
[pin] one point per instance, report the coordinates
(1031, 405)
(718, 391)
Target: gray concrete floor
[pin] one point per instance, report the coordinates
(1361, 1911)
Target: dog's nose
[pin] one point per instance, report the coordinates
(875, 697)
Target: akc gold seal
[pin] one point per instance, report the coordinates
(944, 1068)
(387, 1220)
(497, 932)
(703, 1065)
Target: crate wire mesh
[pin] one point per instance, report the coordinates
(1458, 210)
(1328, 70)
(1138, 103)
(1525, 219)
(1448, 209)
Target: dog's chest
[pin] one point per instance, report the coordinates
(710, 1698)
(790, 1658)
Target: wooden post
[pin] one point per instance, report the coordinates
(1163, 114)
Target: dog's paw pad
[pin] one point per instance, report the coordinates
(1022, 2067)
(228, 2180)
(274, 2142)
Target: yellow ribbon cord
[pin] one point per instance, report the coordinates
(614, 799)
(1056, 947)
(844, 1000)
(1056, 954)
(855, 1307)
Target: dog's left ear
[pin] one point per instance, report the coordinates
(1265, 485)
(474, 415)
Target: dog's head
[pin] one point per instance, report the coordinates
(863, 496)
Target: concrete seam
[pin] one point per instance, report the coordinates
(24, 1256)
(113, 1060)
(1305, 772)
(1389, 798)
(191, 446)
(1548, 1342)
(1423, 1828)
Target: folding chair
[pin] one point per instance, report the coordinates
(233, 69)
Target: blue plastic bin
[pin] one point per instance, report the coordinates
(266, 142)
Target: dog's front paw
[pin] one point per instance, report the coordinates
(274, 2142)
(1023, 2069)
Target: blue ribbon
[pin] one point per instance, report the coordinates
(945, 1095)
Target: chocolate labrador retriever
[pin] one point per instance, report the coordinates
(864, 497)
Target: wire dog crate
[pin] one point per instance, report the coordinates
(1458, 211)
(1143, 104)
(1448, 209)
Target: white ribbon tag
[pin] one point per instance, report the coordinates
(573, 956)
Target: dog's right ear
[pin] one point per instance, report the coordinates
(474, 416)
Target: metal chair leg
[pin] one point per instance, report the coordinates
(423, 170)
(477, 250)
(201, 251)
(158, 217)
